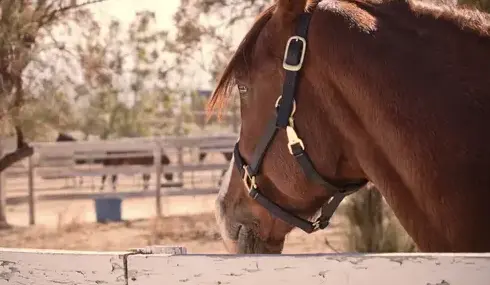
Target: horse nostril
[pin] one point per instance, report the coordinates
(239, 230)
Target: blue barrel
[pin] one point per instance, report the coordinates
(108, 209)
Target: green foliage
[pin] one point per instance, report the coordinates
(125, 88)
(23, 26)
(201, 24)
(43, 116)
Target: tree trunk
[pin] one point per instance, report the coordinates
(22, 151)
(3, 201)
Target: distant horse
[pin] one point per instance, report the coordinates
(147, 160)
(136, 160)
(62, 137)
(337, 93)
(227, 155)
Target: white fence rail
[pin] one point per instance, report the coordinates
(163, 265)
(59, 154)
(55, 160)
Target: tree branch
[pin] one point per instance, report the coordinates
(23, 150)
(15, 156)
(46, 19)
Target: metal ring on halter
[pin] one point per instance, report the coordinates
(294, 105)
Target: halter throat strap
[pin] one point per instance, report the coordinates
(284, 119)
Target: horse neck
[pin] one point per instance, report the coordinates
(413, 108)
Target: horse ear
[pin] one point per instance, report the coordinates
(291, 7)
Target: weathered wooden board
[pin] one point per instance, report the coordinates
(400, 269)
(137, 144)
(150, 266)
(123, 194)
(43, 267)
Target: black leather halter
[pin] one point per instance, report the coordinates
(284, 119)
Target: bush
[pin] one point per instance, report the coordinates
(372, 225)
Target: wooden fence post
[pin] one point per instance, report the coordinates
(157, 158)
(3, 192)
(30, 176)
(178, 134)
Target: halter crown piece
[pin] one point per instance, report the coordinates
(283, 118)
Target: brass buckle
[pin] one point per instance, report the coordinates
(291, 117)
(294, 105)
(316, 225)
(248, 180)
(293, 139)
(294, 67)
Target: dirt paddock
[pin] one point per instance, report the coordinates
(188, 221)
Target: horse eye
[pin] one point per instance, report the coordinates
(242, 89)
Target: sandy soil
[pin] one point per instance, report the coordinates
(188, 221)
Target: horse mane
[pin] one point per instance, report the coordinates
(238, 61)
(465, 18)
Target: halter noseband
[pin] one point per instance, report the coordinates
(284, 119)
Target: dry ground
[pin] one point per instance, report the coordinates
(189, 221)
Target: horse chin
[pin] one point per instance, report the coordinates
(249, 242)
(239, 239)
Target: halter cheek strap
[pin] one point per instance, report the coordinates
(283, 118)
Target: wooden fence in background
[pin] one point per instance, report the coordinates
(57, 160)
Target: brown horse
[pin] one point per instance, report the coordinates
(392, 92)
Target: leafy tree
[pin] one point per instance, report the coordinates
(210, 25)
(24, 24)
(126, 86)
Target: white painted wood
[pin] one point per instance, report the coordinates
(18, 169)
(64, 153)
(56, 160)
(155, 265)
(102, 154)
(56, 172)
(137, 144)
(177, 191)
(43, 267)
(67, 151)
(161, 249)
(93, 146)
(216, 149)
(196, 167)
(389, 269)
